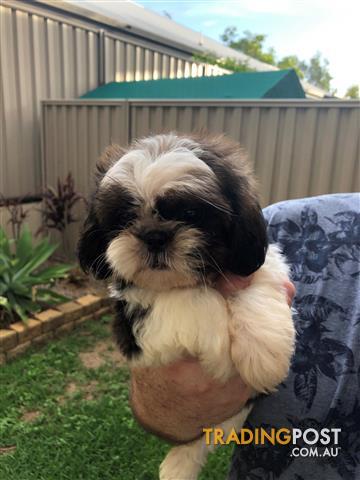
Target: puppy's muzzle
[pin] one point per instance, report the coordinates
(156, 240)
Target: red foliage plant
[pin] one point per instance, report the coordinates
(59, 203)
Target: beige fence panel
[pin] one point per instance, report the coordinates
(297, 148)
(75, 134)
(41, 57)
(49, 55)
(53, 55)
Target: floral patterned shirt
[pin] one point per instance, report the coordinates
(320, 237)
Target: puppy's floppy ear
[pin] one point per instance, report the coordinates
(248, 242)
(92, 247)
(109, 156)
(247, 233)
(93, 241)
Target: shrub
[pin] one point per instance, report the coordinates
(16, 211)
(24, 279)
(59, 203)
(58, 210)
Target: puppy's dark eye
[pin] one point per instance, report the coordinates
(190, 214)
(178, 209)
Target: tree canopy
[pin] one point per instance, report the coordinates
(316, 71)
(251, 44)
(352, 92)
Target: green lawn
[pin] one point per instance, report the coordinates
(64, 414)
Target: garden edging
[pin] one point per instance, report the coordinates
(51, 323)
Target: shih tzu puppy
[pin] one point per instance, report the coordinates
(169, 216)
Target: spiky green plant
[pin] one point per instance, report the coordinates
(24, 279)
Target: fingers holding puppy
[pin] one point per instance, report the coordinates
(230, 284)
(176, 401)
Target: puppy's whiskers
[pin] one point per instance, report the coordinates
(99, 262)
(218, 269)
(202, 273)
(215, 205)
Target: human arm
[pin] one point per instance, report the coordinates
(176, 401)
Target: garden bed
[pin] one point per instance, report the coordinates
(48, 324)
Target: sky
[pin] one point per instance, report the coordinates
(300, 27)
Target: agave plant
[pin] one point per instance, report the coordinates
(24, 279)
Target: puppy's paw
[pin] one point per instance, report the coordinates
(180, 464)
(262, 344)
(262, 367)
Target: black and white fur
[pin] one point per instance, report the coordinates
(168, 216)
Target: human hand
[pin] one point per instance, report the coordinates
(176, 401)
(230, 283)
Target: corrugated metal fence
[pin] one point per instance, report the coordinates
(49, 55)
(298, 148)
(41, 57)
(127, 61)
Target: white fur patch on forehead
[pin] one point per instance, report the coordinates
(156, 145)
(147, 172)
(179, 170)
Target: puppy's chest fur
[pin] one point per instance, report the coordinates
(251, 332)
(156, 328)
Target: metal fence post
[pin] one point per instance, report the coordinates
(101, 58)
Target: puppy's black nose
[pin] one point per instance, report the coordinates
(156, 239)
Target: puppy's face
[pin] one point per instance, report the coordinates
(174, 212)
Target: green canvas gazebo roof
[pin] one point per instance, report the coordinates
(250, 85)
